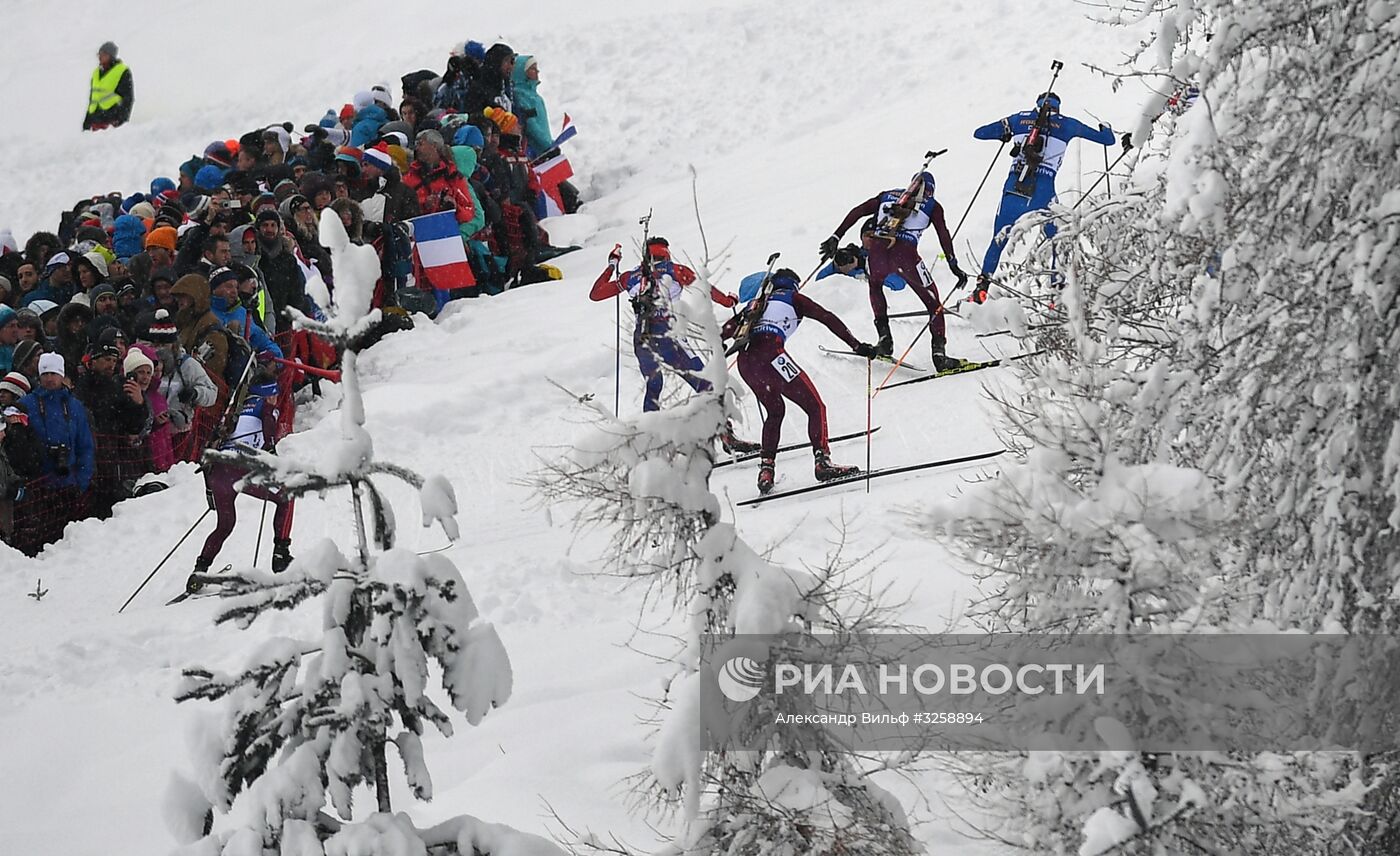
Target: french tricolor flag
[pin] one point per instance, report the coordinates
(552, 173)
(441, 252)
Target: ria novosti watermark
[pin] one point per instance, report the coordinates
(1158, 693)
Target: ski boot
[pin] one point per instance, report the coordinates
(201, 566)
(941, 361)
(281, 554)
(826, 471)
(732, 445)
(885, 346)
(765, 476)
(979, 292)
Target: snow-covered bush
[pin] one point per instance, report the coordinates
(308, 721)
(645, 479)
(1214, 443)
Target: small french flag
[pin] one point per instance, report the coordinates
(441, 252)
(552, 173)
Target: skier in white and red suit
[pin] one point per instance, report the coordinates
(773, 375)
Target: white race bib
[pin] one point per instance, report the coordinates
(784, 366)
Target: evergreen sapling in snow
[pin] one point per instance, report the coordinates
(309, 721)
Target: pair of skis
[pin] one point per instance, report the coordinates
(967, 366)
(864, 475)
(884, 359)
(211, 582)
(749, 456)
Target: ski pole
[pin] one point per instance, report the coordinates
(869, 363)
(1108, 187)
(978, 192)
(257, 545)
(617, 366)
(167, 558)
(1095, 185)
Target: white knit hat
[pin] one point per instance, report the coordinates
(135, 360)
(51, 364)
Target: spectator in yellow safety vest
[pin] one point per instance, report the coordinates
(111, 95)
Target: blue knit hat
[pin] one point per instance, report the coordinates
(469, 135)
(191, 166)
(474, 49)
(160, 185)
(209, 177)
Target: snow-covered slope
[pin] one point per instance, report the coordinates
(791, 113)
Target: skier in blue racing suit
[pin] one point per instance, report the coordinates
(1015, 129)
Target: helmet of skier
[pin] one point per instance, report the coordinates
(1048, 97)
(659, 248)
(928, 183)
(785, 279)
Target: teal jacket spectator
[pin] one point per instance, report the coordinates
(530, 108)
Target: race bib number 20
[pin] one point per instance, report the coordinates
(784, 366)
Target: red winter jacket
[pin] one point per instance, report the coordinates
(441, 188)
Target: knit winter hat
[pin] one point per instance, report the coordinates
(108, 48)
(209, 177)
(378, 158)
(101, 289)
(223, 275)
(25, 351)
(469, 135)
(349, 154)
(217, 153)
(162, 330)
(161, 236)
(42, 307)
(160, 185)
(15, 383)
(135, 360)
(266, 215)
(98, 261)
(51, 364)
(144, 210)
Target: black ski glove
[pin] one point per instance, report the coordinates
(957, 272)
(828, 247)
(1006, 134)
(187, 394)
(865, 349)
(1127, 140)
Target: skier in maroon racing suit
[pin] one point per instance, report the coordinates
(891, 240)
(773, 375)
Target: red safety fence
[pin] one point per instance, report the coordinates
(119, 460)
(46, 507)
(42, 511)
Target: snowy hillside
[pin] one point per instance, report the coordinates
(790, 113)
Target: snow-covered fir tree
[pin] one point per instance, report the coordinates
(1213, 444)
(309, 721)
(645, 480)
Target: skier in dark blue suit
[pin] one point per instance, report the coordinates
(1015, 129)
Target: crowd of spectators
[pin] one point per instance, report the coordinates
(126, 333)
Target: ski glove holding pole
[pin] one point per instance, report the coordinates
(828, 247)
